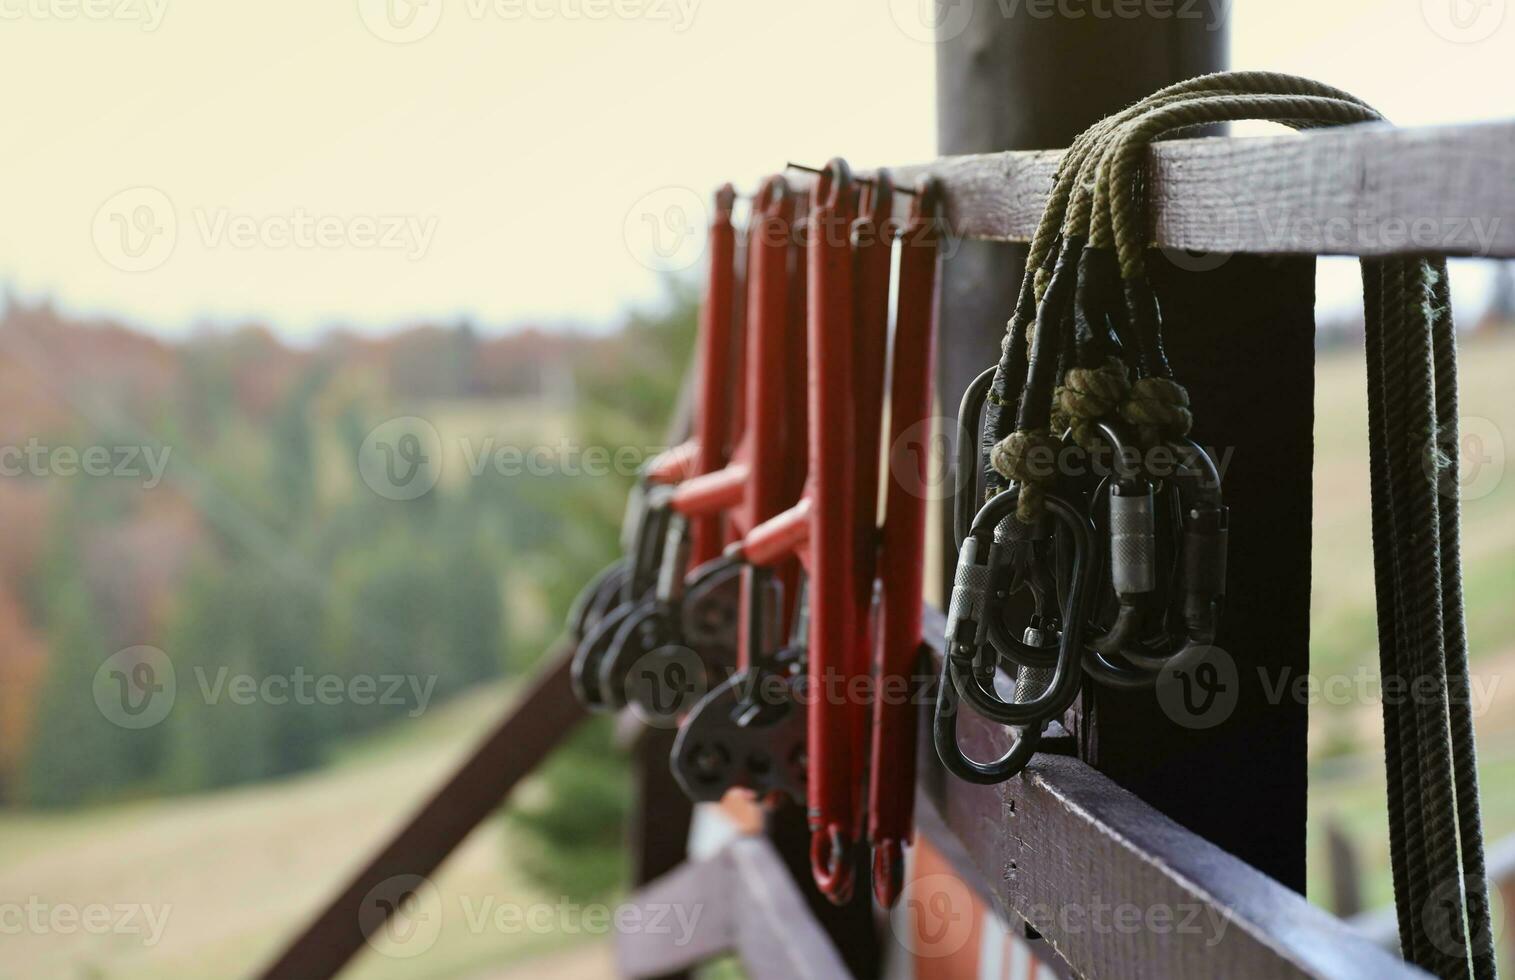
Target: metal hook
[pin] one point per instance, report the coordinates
(950, 752)
(791, 165)
(1201, 572)
(969, 413)
(972, 672)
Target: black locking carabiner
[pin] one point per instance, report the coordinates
(1200, 575)
(957, 762)
(969, 664)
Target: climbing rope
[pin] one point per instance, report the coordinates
(1083, 361)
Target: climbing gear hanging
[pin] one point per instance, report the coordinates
(699, 615)
(747, 730)
(821, 718)
(831, 672)
(602, 623)
(902, 547)
(822, 531)
(1105, 337)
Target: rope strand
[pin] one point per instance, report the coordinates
(1435, 829)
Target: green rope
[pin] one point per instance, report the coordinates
(1436, 845)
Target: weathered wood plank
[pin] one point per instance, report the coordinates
(1357, 190)
(744, 901)
(699, 886)
(1120, 890)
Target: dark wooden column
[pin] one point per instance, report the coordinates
(660, 815)
(1027, 82)
(1226, 758)
(1239, 334)
(1011, 79)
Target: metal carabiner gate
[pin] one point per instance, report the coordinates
(602, 622)
(764, 475)
(970, 661)
(902, 557)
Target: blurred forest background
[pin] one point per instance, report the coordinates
(263, 551)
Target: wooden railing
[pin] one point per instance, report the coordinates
(1222, 838)
(1060, 849)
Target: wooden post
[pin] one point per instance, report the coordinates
(658, 830)
(1011, 77)
(1233, 743)
(1022, 76)
(1344, 869)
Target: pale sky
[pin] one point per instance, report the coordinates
(173, 162)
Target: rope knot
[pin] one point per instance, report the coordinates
(1060, 420)
(1089, 394)
(1029, 457)
(1159, 408)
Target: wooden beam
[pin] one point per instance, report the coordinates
(1120, 890)
(1115, 887)
(743, 901)
(544, 714)
(1357, 190)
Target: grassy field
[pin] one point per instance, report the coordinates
(1347, 783)
(231, 874)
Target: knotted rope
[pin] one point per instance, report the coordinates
(1436, 841)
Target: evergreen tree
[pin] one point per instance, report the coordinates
(76, 754)
(237, 623)
(575, 830)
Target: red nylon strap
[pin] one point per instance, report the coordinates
(902, 558)
(714, 411)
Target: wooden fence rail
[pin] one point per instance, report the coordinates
(1370, 189)
(1113, 886)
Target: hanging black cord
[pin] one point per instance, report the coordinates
(1416, 534)
(1464, 756)
(1436, 836)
